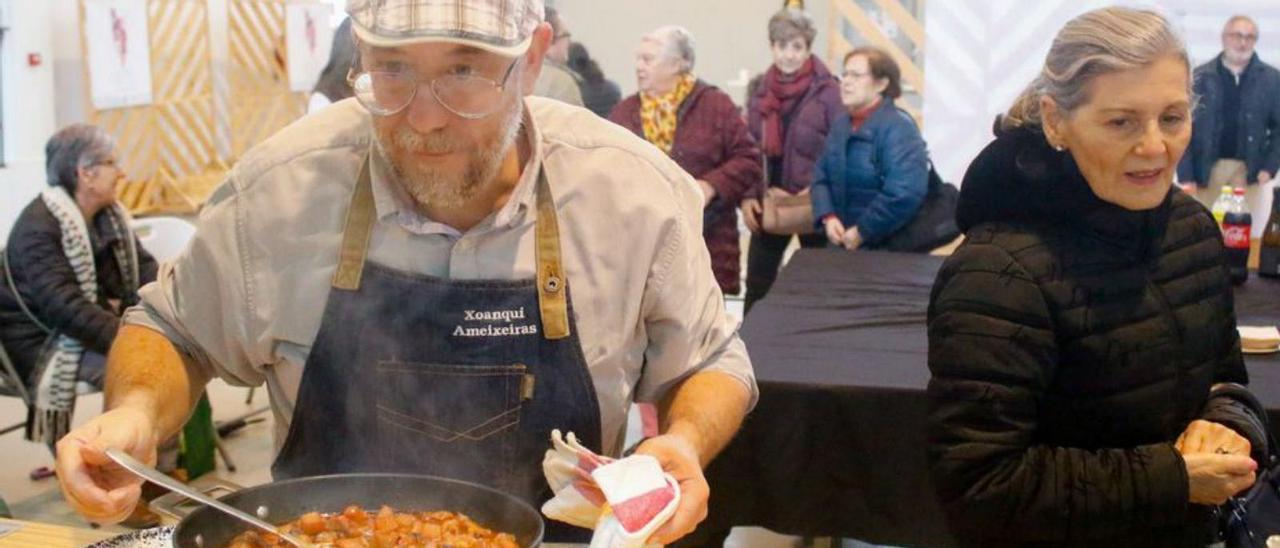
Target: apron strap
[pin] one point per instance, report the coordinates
(551, 280)
(355, 236)
(552, 300)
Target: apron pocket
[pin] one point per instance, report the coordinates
(449, 403)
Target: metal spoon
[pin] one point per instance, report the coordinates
(154, 476)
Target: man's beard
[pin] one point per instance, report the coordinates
(440, 188)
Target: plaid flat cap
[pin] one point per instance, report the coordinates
(504, 27)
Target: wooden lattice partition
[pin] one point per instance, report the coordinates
(851, 13)
(167, 148)
(261, 102)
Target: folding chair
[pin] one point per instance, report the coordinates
(11, 385)
(10, 381)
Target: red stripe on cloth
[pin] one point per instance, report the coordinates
(635, 513)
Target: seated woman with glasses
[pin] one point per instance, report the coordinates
(72, 265)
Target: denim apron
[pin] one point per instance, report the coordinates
(462, 379)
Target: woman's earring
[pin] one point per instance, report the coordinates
(1059, 148)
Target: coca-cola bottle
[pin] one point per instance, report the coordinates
(1236, 226)
(1269, 254)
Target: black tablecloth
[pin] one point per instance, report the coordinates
(836, 446)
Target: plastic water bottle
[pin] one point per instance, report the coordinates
(1237, 225)
(1222, 204)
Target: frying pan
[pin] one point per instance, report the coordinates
(285, 501)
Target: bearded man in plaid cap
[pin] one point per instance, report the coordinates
(431, 276)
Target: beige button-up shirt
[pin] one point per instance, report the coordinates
(245, 299)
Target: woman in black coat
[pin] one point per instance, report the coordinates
(81, 165)
(1088, 387)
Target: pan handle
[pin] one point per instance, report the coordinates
(173, 507)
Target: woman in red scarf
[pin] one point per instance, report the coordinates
(789, 113)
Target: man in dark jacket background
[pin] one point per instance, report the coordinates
(1236, 134)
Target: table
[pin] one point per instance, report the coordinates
(44, 535)
(1258, 303)
(836, 445)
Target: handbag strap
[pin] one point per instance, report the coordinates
(1241, 394)
(935, 180)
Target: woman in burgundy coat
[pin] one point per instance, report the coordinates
(702, 130)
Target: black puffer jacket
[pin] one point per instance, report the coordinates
(1071, 342)
(48, 286)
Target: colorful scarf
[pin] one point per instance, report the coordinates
(658, 113)
(782, 94)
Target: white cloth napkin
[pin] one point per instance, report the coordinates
(623, 500)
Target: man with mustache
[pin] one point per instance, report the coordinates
(428, 278)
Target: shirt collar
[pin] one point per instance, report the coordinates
(393, 204)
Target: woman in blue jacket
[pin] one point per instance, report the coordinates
(874, 172)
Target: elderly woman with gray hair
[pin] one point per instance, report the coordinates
(699, 127)
(71, 267)
(1088, 388)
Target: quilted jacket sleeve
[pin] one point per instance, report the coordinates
(992, 353)
(48, 286)
(1230, 403)
(904, 168)
(739, 176)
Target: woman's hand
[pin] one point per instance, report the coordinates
(751, 214)
(1202, 436)
(1218, 462)
(708, 192)
(835, 230)
(852, 239)
(1214, 478)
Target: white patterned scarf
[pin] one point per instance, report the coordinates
(55, 393)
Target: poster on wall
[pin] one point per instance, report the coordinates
(118, 50)
(309, 36)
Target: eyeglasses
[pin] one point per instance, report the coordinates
(1241, 37)
(384, 93)
(853, 75)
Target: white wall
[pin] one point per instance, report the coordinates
(68, 63)
(27, 103)
(731, 35)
